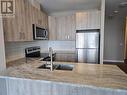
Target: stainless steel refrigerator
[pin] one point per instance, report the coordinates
(88, 46)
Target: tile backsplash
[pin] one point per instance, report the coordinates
(16, 50)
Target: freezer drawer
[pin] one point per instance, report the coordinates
(87, 40)
(87, 56)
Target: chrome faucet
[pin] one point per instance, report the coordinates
(50, 55)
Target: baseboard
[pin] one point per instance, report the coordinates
(118, 61)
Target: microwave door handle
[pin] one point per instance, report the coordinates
(35, 32)
(45, 33)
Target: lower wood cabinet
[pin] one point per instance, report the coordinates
(28, 87)
(3, 86)
(16, 86)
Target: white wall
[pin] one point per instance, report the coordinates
(16, 50)
(2, 48)
(62, 45)
(114, 36)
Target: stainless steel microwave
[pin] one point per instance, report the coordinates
(39, 33)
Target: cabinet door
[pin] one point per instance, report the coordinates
(16, 28)
(3, 86)
(28, 21)
(28, 87)
(81, 20)
(88, 20)
(45, 20)
(52, 28)
(9, 30)
(65, 27)
(67, 89)
(61, 31)
(12, 28)
(20, 21)
(36, 16)
(94, 20)
(70, 27)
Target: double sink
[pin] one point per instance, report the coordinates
(66, 67)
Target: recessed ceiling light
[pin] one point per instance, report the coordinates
(116, 11)
(123, 4)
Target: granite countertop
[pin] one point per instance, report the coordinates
(107, 76)
(60, 51)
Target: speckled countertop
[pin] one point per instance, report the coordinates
(108, 76)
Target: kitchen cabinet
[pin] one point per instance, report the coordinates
(19, 28)
(61, 31)
(14, 28)
(3, 86)
(71, 27)
(45, 20)
(52, 28)
(40, 18)
(62, 28)
(88, 20)
(18, 86)
(65, 27)
(28, 21)
(28, 87)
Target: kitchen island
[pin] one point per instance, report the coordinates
(92, 78)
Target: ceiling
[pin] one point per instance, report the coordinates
(113, 7)
(53, 6)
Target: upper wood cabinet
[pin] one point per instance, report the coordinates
(19, 28)
(52, 28)
(88, 20)
(14, 28)
(62, 28)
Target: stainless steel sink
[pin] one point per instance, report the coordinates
(46, 66)
(66, 67)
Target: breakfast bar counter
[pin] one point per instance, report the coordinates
(91, 78)
(107, 76)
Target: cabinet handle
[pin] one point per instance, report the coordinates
(20, 35)
(68, 37)
(23, 35)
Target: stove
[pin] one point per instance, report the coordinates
(35, 52)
